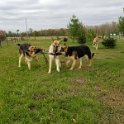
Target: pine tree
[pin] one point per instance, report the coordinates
(76, 30)
(121, 24)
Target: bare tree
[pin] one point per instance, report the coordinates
(2, 37)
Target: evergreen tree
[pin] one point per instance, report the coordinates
(76, 30)
(121, 24)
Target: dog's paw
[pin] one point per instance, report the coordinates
(79, 67)
(89, 65)
(49, 72)
(71, 69)
(58, 70)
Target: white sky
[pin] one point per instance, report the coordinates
(44, 14)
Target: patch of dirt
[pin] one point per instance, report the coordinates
(38, 96)
(114, 99)
(98, 88)
(77, 81)
(32, 107)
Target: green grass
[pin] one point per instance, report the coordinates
(86, 96)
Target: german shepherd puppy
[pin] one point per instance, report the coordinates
(77, 52)
(29, 53)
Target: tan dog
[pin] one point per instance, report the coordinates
(29, 53)
(96, 41)
(54, 54)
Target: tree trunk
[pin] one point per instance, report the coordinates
(0, 43)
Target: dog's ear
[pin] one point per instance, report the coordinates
(59, 41)
(64, 47)
(52, 39)
(65, 44)
(29, 44)
(57, 38)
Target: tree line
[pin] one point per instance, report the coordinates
(103, 29)
(75, 30)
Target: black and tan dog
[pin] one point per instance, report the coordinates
(77, 52)
(29, 53)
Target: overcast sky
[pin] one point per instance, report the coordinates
(44, 14)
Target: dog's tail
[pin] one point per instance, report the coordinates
(19, 44)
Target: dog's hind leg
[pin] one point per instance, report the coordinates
(28, 61)
(20, 59)
(80, 65)
(36, 59)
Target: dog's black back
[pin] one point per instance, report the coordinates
(24, 49)
(80, 51)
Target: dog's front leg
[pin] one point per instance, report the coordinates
(29, 65)
(50, 63)
(58, 64)
(20, 58)
(28, 61)
(97, 45)
(90, 62)
(67, 63)
(36, 59)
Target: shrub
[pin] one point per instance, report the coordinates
(109, 42)
(65, 39)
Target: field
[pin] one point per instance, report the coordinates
(91, 95)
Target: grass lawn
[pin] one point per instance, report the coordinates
(92, 95)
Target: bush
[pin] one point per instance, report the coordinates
(65, 39)
(109, 42)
